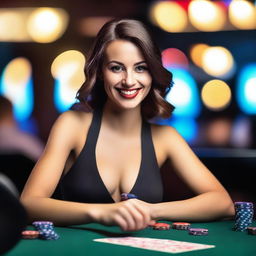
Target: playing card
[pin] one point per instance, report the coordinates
(163, 245)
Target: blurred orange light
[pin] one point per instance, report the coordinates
(196, 53)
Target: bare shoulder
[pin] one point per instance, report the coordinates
(164, 132)
(71, 118)
(70, 126)
(167, 138)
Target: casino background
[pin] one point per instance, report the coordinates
(209, 46)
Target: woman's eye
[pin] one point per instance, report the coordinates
(116, 68)
(141, 68)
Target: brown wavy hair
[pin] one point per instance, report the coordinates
(92, 93)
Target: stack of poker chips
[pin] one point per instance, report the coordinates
(244, 215)
(181, 225)
(161, 226)
(30, 234)
(46, 230)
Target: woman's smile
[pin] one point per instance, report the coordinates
(128, 93)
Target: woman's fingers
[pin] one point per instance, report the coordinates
(142, 216)
(130, 215)
(136, 215)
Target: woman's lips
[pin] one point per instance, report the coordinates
(128, 93)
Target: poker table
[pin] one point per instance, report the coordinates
(78, 240)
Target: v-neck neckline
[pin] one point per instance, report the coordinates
(140, 167)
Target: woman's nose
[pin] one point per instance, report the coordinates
(129, 79)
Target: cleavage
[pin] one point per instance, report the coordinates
(118, 161)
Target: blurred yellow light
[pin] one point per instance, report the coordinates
(18, 71)
(47, 24)
(16, 76)
(68, 67)
(206, 15)
(169, 16)
(196, 53)
(216, 95)
(242, 14)
(217, 61)
(13, 25)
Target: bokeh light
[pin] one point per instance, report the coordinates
(47, 24)
(218, 61)
(246, 89)
(169, 16)
(17, 86)
(216, 95)
(206, 15)
(218, 132)
(196, 53)
(187, 127)
(184, 94)
(242, 133)
(242, 14)
(173, 57)
(13, 25)
(68, 70)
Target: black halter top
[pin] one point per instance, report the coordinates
(83, 182)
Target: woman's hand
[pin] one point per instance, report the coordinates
(129, 215)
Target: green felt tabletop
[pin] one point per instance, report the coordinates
(78, 240)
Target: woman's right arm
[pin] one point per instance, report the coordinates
(36, 196)
(46, 175)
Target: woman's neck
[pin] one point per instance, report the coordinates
(127, 121)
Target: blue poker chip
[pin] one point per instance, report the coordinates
(239, 205)
(126, 196)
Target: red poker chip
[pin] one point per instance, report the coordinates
(30, 234)
(251, 230)
(161, 226)
(181, 225)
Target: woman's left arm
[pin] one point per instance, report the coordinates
(211, 201)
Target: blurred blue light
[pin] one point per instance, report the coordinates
(246, 89)
(62, 99)
(184, 94)
(23, 103)
(227, 2)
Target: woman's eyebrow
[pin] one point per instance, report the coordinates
(120, 63)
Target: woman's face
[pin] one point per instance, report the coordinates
(127, 80)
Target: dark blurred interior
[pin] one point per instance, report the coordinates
(235, 166)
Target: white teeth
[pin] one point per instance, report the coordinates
(128, 92)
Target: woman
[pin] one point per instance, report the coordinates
(116, 149)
